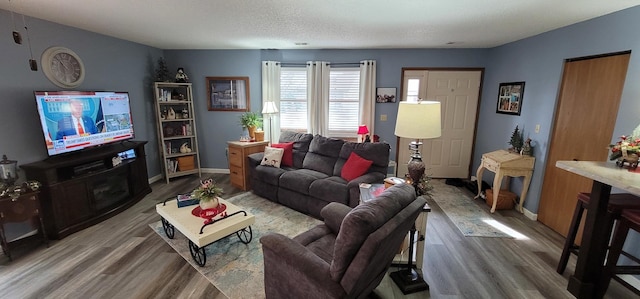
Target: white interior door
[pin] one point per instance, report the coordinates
(458, 92)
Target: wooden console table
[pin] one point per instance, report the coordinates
(504, 163)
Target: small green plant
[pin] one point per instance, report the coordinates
(207, 191)
(250, 119)
(516, 140)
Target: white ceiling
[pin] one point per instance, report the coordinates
(328, 24)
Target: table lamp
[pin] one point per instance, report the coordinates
(269, 109)
(415, 120)
(362, 130)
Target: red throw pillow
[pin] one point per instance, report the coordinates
(287, 157)
(355, 167)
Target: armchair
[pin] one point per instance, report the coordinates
(345, 257)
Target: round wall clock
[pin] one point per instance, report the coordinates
(62, 67)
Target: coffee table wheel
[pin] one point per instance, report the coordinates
(197, 253)
(245, 235)
(169, 229)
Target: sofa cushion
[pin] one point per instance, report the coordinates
(270, 175)
(272, 157)
(378, 152)
(323, 154)
(299, 180)
(301, 142)
(287, 157)
(355, 167)
(331, 189)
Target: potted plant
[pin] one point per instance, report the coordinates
(250, 121)
(516, 140)
(208, 194)
(626, 150)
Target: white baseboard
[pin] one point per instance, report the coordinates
(530, 215)
(632, 280)
(204, 170)
(215, 170)
(155, 179)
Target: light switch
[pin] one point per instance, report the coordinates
(537, 128)
(383, 117)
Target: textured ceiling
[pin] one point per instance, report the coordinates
(329, 24)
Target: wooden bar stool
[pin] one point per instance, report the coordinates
(629, 219)
(617, 203)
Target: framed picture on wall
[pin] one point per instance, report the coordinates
(510, 98)
(386, 95)
(228, 93)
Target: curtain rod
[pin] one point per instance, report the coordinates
(330, 63)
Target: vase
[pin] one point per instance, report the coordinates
(209, 204)
(252, 133)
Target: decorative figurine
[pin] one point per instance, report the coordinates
(181, 77)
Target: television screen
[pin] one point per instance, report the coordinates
(74, 120)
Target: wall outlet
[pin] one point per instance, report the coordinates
(537, 130)
(383, 117)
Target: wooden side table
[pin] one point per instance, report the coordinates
(238, 166)
(16, 210)
(504, 163)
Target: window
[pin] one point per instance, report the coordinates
(293, 99)
(344, 101)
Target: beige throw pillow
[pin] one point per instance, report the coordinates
(272, 156)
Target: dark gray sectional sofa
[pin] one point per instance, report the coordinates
(315, 179)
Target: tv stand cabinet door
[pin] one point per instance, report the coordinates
(69, 201)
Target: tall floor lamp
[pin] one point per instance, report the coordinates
(415, 120)
(270, 109)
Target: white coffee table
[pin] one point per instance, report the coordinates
(202, 232)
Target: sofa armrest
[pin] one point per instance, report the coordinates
(354, 185)
(255, 159)
(333, 214)
(291, 270)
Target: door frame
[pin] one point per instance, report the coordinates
(475, 126)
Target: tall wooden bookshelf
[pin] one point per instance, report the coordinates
(176, 129)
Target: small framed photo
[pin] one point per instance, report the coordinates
(510, 98)
(228, 93)
(386, 95)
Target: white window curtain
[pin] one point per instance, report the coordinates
(318, 97)
(271, 93)
(368, 94)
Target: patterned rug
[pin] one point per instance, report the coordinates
(460, 207)
(234, 268)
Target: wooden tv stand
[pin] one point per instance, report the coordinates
(84, 188)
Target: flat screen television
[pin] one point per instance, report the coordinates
(75, 120)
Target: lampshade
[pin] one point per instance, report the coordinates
(418, 120)
(363, 129)
(269, 108)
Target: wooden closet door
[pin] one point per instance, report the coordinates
(585, 118)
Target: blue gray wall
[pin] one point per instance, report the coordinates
(538, 61)
(215, 128)
(111, 64)
(114, 64)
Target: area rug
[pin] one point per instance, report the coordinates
(467, 216)
(234, 268)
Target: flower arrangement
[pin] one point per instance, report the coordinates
(207, 191)
(627, 145)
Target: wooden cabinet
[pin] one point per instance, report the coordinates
(176, 123)
(85, 188)
(24, 208)
(238, 166)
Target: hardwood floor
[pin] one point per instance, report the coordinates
(122, 258)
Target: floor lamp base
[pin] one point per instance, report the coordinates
(409, 281)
